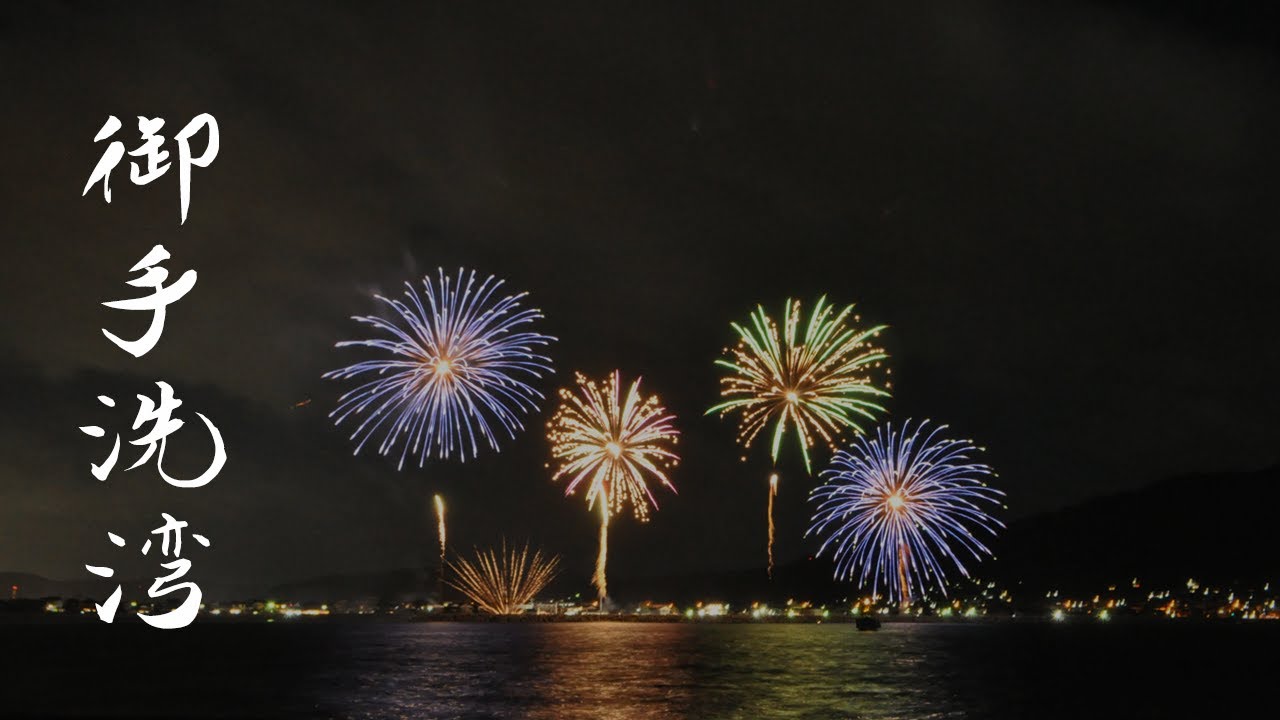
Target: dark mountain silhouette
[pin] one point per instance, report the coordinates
(385, 587)
(30, 585)
(1215, 527)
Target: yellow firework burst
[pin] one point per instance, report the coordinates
(502, 582)
(616, 443)
(814, 378)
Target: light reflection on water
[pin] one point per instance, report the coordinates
(374, 669)
(622, 671)
(626, 671)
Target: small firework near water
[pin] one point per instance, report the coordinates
(897, 510)
(457, 361)
(502, 582)
(615, 442)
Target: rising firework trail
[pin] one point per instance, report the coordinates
(602, 557)
(614, 442)
(901, 508)
(773, 492)
(457, 359)
(813, 379)
(439, 504)
(505, 581)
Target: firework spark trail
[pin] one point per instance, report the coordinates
(816, 384)
(598, 579)
(905, 587)
(615, 443)
(458, 361)
(439, 501)
(899, 507)
(439, 505)
(503, 582)
(773, 492)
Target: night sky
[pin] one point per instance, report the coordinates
(1066, 214)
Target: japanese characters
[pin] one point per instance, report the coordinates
(154, 159)
(155, 418)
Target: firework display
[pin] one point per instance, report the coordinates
(616, 443)
(504, 581)
(455, 370)
(814, 383)
(897, 510)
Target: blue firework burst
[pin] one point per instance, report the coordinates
(899, 509)
(458, 361)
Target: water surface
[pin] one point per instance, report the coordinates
(608, 671)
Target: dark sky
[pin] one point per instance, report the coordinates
(1067, 215)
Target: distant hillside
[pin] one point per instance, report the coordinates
(30, 585)
(1221, 527)
(1216, 527)
(390, 586)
